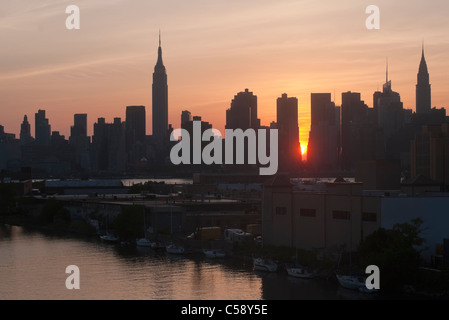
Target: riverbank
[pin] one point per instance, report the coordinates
(430, 284)
(75, 228)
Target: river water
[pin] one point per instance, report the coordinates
(33, 265)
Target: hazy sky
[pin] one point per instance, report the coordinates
(212, 50)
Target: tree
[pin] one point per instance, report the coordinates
(7, 197)
(129, 222)
(396, 252)
(53, 212)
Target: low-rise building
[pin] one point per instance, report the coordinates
(339, 215)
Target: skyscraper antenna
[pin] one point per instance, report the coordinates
(159, 37)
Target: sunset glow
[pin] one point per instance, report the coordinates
(304, 150)
(212, 50)
(224, 150)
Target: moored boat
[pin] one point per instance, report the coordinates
(174, 249)
(215, 253)
(264, 264)
(351, 282)
(109, 238)
(143, 242)
(300, 272)
(157, 245)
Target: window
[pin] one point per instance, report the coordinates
(281, 210)
(369, 216)
(341, 215)
(311, 213)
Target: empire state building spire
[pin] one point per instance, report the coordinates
(160, 64)
(423, 92)
(160, 99)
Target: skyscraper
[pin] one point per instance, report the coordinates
(108, 146)
(79, 127)
(42, 128)
(287, 124)
(25, 131)
(322, 150)
(243, 112)
(186, 116)
(135, 126)
(80, 142)
(429, 153)
(135, 133)
(322, 108)
(160, 100)
(358, 130)
(188, 124)
(390, 114)
(423, 92)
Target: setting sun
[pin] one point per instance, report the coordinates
(303, 150)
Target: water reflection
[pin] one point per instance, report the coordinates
(5, 232)
(32, 266)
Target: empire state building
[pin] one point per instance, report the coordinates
(160, 99)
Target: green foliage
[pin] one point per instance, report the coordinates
(395, 252)
(136, 188)
(129, 222)
(150, 187)
(27, 201)
(7, 196)
(53, 212)
(80, 226)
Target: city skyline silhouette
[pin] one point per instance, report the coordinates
(304, 142)
(206, 67)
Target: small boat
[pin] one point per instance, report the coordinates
(174, 249)
(109, 238)
(215, 253)
(351, 282)
(157, 245)
(143, 242)
(263, 264)
(300, 272)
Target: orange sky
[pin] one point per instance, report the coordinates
(212, 50)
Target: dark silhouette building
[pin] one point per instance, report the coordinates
(391, 116)
(80, 143)
(9, 151)
(160, 100)
(135, 126)
(79, 128)
(322, 109)
(108, 146)
(42, 128)
(288, 132)
(25, 131)
(358, 130)
(243, 112)
(242, 115)
(322, 150)
(188, 125)
(57, 139)
(135, 131)
(430, 153)
(186, 116)
(423, 92)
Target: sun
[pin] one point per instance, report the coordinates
(303, 150)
